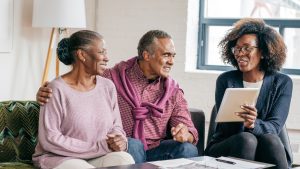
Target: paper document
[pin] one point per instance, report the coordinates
(172, 163)
(233, 163)
(180, 164)
(210, 163)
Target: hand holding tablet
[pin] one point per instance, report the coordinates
(232, 101)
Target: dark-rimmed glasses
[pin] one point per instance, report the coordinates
(245, 49)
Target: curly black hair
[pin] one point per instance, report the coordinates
(269, 41)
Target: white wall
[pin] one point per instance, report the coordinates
(122, 23)
(21, 70)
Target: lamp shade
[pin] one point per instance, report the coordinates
(59, 13)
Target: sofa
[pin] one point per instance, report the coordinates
(19, 129)
(18, 133)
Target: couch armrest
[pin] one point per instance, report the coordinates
(198, 118)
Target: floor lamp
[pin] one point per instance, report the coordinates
(58, 15)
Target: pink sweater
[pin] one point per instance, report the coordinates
(74, 124)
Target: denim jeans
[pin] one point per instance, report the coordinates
(136, 150)
(168, 149)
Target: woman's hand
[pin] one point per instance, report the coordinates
(116, 142)
(249, 115)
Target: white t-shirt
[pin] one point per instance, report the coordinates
(253, 85)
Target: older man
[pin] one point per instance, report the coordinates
(150, 102)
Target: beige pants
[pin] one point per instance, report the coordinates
(110, 159)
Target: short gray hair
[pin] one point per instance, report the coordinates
(147, 41)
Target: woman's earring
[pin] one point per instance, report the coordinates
(262, 57)
(83, 60)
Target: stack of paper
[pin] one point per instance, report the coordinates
(210, 163)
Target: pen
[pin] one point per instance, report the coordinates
(225, 161)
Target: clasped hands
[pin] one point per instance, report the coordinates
(249, 115)
(181, 133)
(116, 142)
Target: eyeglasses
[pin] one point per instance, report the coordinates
(245, 49)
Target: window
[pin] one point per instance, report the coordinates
(217, 17)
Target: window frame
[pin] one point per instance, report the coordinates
(205, 23)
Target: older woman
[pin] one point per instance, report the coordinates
(81, 127)
(258, 52)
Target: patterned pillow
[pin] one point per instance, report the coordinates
(18, 130)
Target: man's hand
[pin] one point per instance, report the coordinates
(116, 142)
(44, 93)
(181, 133)
(249, 115)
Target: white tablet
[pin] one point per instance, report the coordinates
(232, 100)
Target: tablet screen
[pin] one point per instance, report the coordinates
(232, 101)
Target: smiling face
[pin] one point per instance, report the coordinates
(162, 59)
(96, 58)
(247, 54)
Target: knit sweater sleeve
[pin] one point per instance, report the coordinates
(51, 137)
(117, 123)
